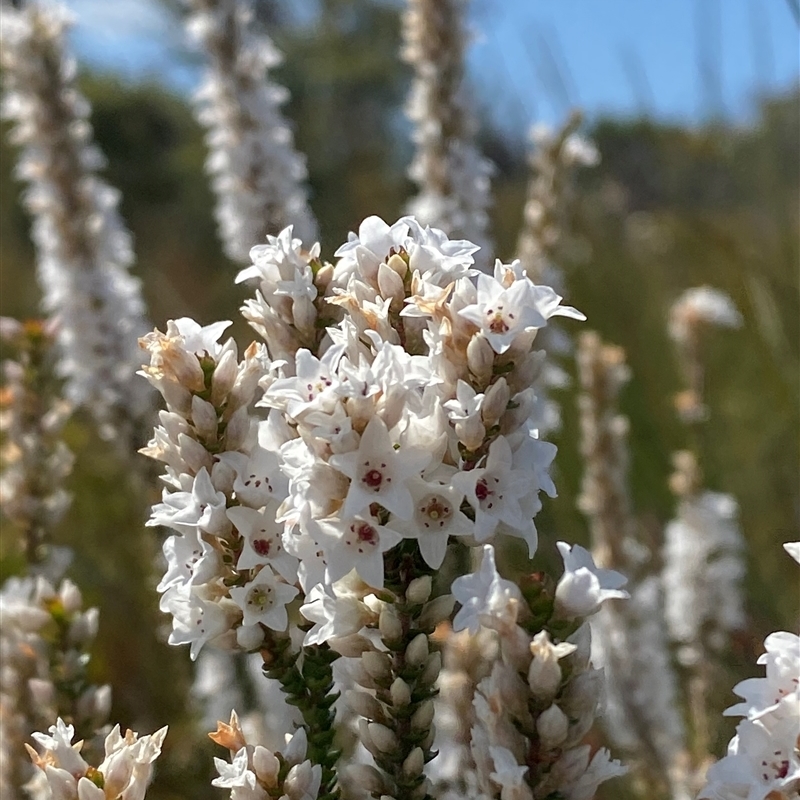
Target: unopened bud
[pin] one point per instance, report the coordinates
(323, 277)
(364, 704)
(397, 264)
(495, 401)
(389, 624)
(266, 766)
(204, 419)
(422, 718)
(438, 610)
(417, 650)
(390, 284)
(304, 314)
(480, 358)
(414, 763)
(419, 590)
(552, 727)
(376, 664)
(238, 430)
(400, 693)
(433, 666)
(382, 737)
(223, 378)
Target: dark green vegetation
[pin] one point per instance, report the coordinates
(667, 209)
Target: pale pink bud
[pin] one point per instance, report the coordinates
(383, 737)
(433, 666)
(389, 624)
(495, 401)
(266, 766)
(419, 590)
(437, 611)
(414, 763)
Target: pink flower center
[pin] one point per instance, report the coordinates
(482, 490)
(262, 546)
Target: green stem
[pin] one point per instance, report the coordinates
(310, 691)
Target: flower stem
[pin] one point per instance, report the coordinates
(309, 689)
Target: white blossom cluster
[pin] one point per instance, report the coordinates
(763, 758)
(406, 420)
(452, 175)
(257, 175)
(123, 774)
(540, 693)
(83, 249)
(34, 461)
(256, 773)
(703, 571)
(44, 641)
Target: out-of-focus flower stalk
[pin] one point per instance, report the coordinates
(642, 714)
(257, 175)
(34, 461)
(452, 176)
(82, 247)
(703, 550)
(545, 234)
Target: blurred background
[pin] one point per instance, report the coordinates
(695, 109)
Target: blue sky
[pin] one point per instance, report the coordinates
(675, 59)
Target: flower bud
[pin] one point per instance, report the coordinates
(223, 378)
(422, 718)
(204, 419)
(433, 666)
(323, 277)
(382, 737)
(250, 637)
(304, 314)
(238, 429)
(495, 401)
(414, 763)
(266, 766)
(376, 665)
(391, 284)
(552, 726)
(417, 650)
(194, 454)
(480, 358)
(400, 693)
(397, 264)
(365, 705)
(419, 590)
(438, 610)
(389, 624)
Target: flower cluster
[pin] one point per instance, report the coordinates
(256, 773)
(703, 568)
(763, 759)
(257, 174)
(452, 175)
(83, 249)
(43, 655)
(123, 774)
(540, 694)
(409, 419)
(33, 457)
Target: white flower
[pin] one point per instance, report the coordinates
(379, 473)
(203, 507)
(584, 586)
(190, 560)
(196, 621)
(264, 600)
(509, 775)
(437, 517)
(763, 695)
(355, 543)
(237, 774)
(263, 540)
(334, 615)
(495, 491)
(486, 598)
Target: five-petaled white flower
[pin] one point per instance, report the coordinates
(584, 586)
